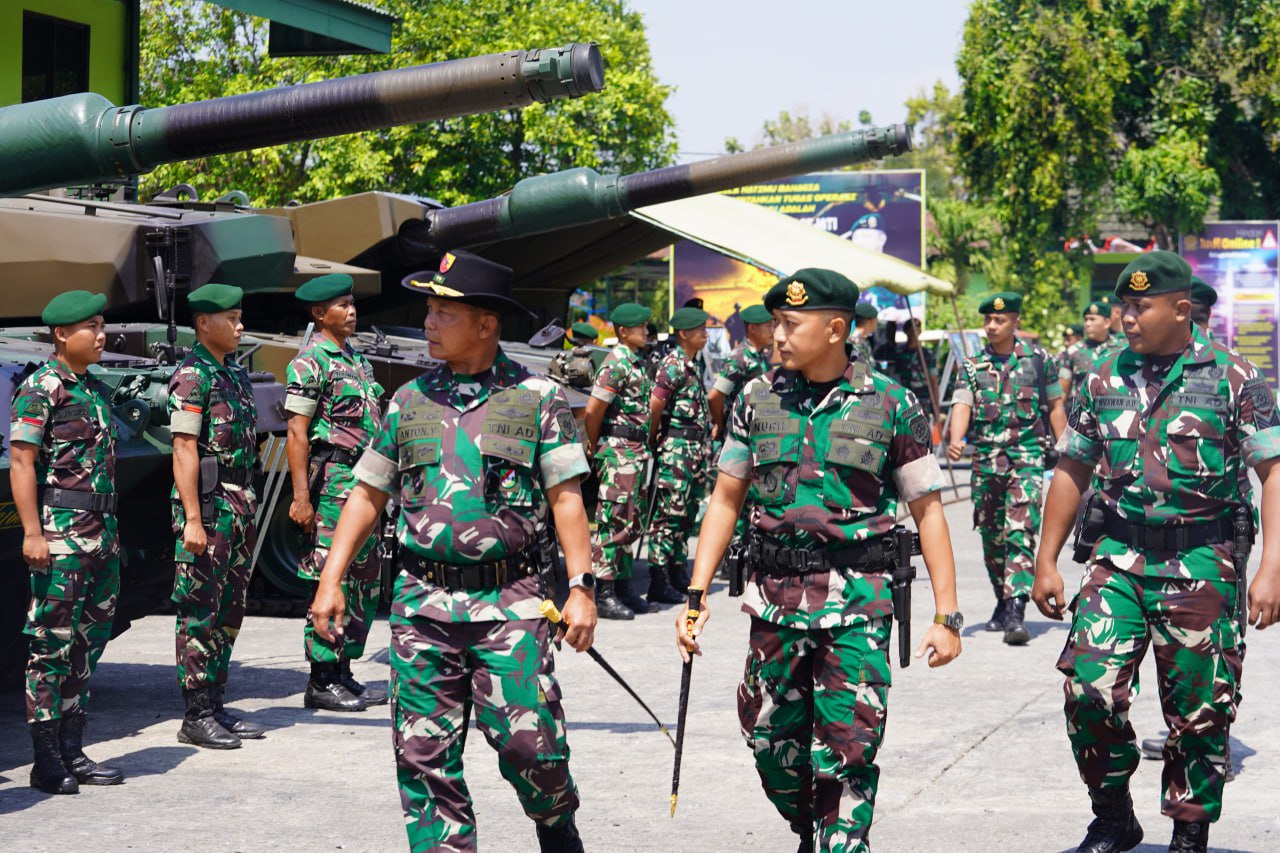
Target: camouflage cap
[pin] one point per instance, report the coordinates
(1004, 302)
(1202, 293)
(630, 314)
(866, 311)
(688, 318)
(813, 289)
(74, 306)
(755, 314)
(213, 298)
(584, 330)
(325, 287)
(1152, 273)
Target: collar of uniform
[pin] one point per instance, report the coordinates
(855, 380)
(503, 373)
(1199, 350)
(64, 373)
(202, 352)
(626, 352)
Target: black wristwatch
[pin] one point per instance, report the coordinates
(954, 621)
(586, 580)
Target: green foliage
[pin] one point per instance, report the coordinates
(788, 128)
(1168, 185)
(963, 241)
(934, 117)
(194, 51)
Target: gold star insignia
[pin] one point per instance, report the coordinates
(796, 294)
(1138, 281)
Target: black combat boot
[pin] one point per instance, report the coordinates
(678, 573)
(806, 837)
(1153, 747)
(1189, 837)
(996, 622)
(327, 692)
(1115, 827)
(71, 747)
(561, 838)
(1015, 632)
(242, 729)
(48, 773)
(608, 605)
(199, 727)
(660, 589)
(622, 586)
(370, 696)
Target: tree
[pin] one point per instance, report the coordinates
(963, 240)
(788, 128)
(193, 51)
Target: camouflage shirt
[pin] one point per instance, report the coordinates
(1168, 442)
(862, 348)
(743, 364)
(68, 417)
(906, 368)
(1008, 426)
(679, 385)
(827, 469)
(214, 403)
(625, 385)
(470, 458)
(334, 386)
(1079, 358)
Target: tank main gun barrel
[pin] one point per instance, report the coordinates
(581, 196)
(83, 138)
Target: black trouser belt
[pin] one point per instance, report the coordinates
(475, 576)
(76, 499)
(695, 433)
(777, 560)
(627, 432)
(1167, 537)
(323, 453)
(235, 476)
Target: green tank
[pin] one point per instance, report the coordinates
(144, 257)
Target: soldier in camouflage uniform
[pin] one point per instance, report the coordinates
(481, 453)
(333, 406)
(747, 361)
(1072, 335)
(1079, 358)
(906, 368)
(1005, 389)
(1167, 423)
(617, 426)
(215, 449)
(62, 475)
(1203, 298)
(826, 449)
(865, 320)
(679, 404)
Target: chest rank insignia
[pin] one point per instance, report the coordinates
(998, 304)
(1138, 281)
(796, 294)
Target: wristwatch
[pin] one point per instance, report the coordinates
(586, 580)
(954, 621)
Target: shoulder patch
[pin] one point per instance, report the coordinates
(918, 423)
(1263, 400)
(568, 426)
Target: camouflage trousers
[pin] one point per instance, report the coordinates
(439, 671)
(1191, 626)
(812, 706)
(1006, 512)
(73, 602)
(623, 507)
(209, 593)
(680, 477)
(360, 586)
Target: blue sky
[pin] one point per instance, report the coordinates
(735, 64)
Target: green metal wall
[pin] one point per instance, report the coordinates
(107, 39)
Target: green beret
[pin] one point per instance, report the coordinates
(630, 314)
(584, 330)
(813, 289)
(688, 318)
(1099, 307)
(866, 311)
(1202, 293)
(74, 306)
(213, 298)
(325, 287)
(1076, 329)
(1004, 302)
(1152, 273)
(756, 314)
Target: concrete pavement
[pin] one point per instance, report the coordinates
(975, 758)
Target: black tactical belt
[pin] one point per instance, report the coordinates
(235, 476)
(627, 432)
(695, 433)
(777, 560)
(475, 576)
(323, 453)
(1167, 537)
(76, 499)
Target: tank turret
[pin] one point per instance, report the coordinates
(83, 138)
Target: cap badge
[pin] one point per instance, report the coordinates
(796, 294)
(1138, 281)
(447, 261)
(998, 304)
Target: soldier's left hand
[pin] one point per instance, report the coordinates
(580, 615)
(942, 645)
(329, 606)
(1264, 598)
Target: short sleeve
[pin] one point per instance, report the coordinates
(303, 386)
(966, 385)
(915, 468)
(1257, 419)
(610, 378)
(188, 400)
(670, 376)
(29, 415)
(1082, 440)
(735, 456)
(560, 454)
(1052, 389)
(379, 464)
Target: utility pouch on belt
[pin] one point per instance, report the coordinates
(208, 482)
(1090, 525)
(906, 544)
(737, 564)
(1241, 544)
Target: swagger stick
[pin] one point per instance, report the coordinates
(691, 616)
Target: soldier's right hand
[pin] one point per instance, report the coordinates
(302, 513)
(1047, 592)
(35, 550)
(687, 639)
(194, 540)
(955, 450)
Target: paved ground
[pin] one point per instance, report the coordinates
(976, 757)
